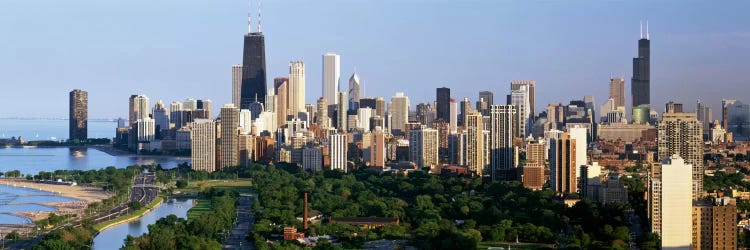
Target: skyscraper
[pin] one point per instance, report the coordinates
(488, 97)
(296, 88)
(563, 165)
(175, 114)
(453, 116)
(230, 123)
(671, 203)
(579, 133)
(704, 116)
(203, 145)
(681, 134)
(341, 115)
(322, 114)
(641, 81)
(443, 103)
(236, 84)
(338, 151)
(533, 168)
(281, 88)
(78, 115)
(474, 150)
(617, 91)
(377, 149)
(161, 117)
(354, 88)
(254, 85)
(423, 147)
(138, 108)
(531, 92)
(399, 110)
(520, 99)
(331, 77)
(502, 125)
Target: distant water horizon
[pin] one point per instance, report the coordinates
(31, 129)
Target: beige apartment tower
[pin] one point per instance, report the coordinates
(230, 123)
(475, 143)
(203, 145)
(681, 134)
(715, 225)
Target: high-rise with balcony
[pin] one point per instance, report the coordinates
(203, 145)
(236, 84)
(230, 123)
(681, 134)
(78, 115)
(474, 146)
(502, 153)
(423, 147)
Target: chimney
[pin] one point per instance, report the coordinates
(304, 215)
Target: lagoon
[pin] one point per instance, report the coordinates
(114, 237)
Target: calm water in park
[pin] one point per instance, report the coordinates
(114, 238)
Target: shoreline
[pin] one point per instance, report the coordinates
(83, 196)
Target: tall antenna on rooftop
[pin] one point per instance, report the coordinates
(641, 29)
(259, 31)
(249, 17)
(647, 35)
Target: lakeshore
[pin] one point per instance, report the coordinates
(82, 196)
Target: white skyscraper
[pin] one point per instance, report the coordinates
(296, 87)
(246, 122)
(453, 116)
(190, 104)
(139, 108)
(331, 77)
(398, 108)
(364, 115)
(672, 203)
(146, 129)
(236, 84)
(338, 151)
(579, 133)
(423, 147)
(203, 145)
(354, 93)
(520, 99)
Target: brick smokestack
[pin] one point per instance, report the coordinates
(304, 214)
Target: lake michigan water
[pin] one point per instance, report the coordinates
(31, 160)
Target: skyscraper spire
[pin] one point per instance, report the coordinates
(259, 31)
(249, 17)
(647, 35)
(641, 30)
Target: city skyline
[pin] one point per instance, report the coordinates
(685, 53)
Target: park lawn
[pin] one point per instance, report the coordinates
(504, 245)
(204, 205)
(135, 214)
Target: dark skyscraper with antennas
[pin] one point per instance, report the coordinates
(253, 87)
(641, 81)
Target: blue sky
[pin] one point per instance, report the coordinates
(172, 50)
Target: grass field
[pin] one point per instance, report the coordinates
(204, 205)
(504, 245)
(134, 214)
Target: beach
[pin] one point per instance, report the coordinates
(83, 195)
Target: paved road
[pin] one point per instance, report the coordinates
(245, 220)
